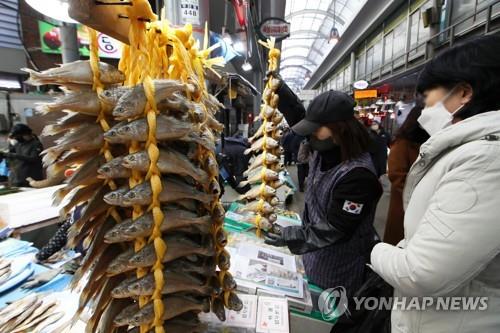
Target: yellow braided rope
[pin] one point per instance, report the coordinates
(101, 118)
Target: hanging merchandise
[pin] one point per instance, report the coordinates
(143, 136)
(264, 168)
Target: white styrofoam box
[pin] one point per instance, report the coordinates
(272, 315)
(28, 207)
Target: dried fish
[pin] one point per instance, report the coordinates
(174, 219)
(78, 72)
(133, 102)
(84, 102)
(114, 169)
(169, 161)
(257, 191)
(178, 246)
(262, 143)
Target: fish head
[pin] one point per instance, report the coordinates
(274, 201)
(139, 160)
(218, 211)
(221, 237)
(234, 302)
(264, 224)
(143, 255)
(229, 283)
(114, 198)
(223, 260)
(218, 309)
(141, 286)
(133, 229)
(139, 195)
(122, 318)
(113, 169)
(278, 134)
(133, 130)
(111, 96)
(214, 187)
(272, 217)
(117, 231)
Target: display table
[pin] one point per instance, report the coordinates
(304, 312)
(29, 209)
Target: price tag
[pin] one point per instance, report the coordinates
(190, 11)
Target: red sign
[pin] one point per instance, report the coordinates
(274, 27)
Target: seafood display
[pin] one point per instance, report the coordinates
(143, 139)
(263, 170)
(30, 314)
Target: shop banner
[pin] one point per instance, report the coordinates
(370, 93)
(50, 40)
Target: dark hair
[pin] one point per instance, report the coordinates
(351, 136)
(410, 129)
(474, 62)
(20, 129)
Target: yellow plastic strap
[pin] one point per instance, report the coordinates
(226, 298)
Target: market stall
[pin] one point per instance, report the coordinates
(158, 250)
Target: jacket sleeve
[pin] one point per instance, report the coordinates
(399, 165)
(351, 202)
(290, 105)
(32, 154)
(457, 236)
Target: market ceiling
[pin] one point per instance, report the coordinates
(311, 22)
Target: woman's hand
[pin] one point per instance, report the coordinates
(274, 240)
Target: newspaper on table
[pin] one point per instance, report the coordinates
(268, 269)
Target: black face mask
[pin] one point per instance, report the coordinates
(321, 145)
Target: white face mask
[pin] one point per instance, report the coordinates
(435, 118)
(375, 127)
(12, 142)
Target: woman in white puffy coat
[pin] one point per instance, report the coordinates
(452, 198)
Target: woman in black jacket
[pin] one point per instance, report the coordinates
(342, 192)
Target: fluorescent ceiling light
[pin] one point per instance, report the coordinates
(55, 9)
(10, 84)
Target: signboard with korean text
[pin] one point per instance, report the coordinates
(274, 27)
(50, 41)
(190, 11)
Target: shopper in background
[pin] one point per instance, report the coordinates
(303, 163)
(452, 243)
(23, 157)
(286, 143)
(403, 108)
(342, 192)
(381, 141)
(404, 151)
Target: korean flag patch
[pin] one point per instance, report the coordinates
(353, 207)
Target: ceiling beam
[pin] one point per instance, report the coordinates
(328, 14)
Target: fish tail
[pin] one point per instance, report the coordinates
(35, 79)
(243, 183)
(51, 156)
(44, 108)
(248, 151)
(59, 195)
(51, 130)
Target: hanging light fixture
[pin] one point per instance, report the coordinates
(334, 33)
(55, 9)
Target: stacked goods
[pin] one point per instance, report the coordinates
(264, 168)
(148, 177)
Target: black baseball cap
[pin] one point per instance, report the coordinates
(329, 107)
